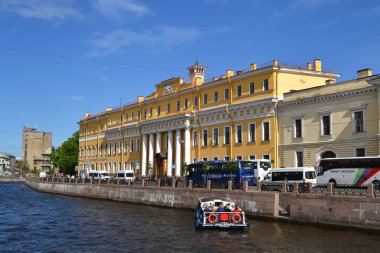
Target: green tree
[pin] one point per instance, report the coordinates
(22, 166)
(65, 157)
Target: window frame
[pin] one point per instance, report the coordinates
(263, 131)
(250, 134)
(237, 134)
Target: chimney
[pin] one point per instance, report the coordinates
(317, 65)
(253, 66)
(275, 62)
(308, 66)
(230, 72)
(224, 76)
(86, 115)
(140, 99)
(330, 81)
(108, 109)
(364, 72)
(214, 78)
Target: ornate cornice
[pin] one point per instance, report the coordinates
(328, 97)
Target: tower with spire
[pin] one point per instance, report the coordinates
(197, 74)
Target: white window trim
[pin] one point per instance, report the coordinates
(236, 134)
(204, 158)
(240, 156)
(264, 85)
(195, 138)
(226, 157)
(224, 135)
(249, 132)
(262, 130)
(213, 158)
(249, 156)
(195, 159)
(321, 115)
(137, 148)
(295, 128)
(262, 156)
(353, 120)
(213, 143)
(203, 144)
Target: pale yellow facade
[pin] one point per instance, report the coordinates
(184, 122)
(332, 120)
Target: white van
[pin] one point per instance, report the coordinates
(291, 175)
(127, 175)
(98, 174)
(42, 174)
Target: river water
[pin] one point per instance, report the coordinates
(37, 222)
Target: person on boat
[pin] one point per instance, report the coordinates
(237, 209)
(227, 207)
(221, 208)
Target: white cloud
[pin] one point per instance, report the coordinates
(157, 39)
(119, 8)
(40, 9)
(75, 98)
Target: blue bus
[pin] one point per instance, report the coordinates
(219, 172)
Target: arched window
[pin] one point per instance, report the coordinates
(328, 154)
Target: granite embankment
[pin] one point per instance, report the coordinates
(352, 211)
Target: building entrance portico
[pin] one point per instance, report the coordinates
(177, 132)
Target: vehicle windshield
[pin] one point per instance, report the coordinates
(129, 174)
(310, 175)
(265, 165)
(247, 165)
(103, 174)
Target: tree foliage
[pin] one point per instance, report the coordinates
(22, 166)
(65, 157)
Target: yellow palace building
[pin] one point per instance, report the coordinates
(227, 117)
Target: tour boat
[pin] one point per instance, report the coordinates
(219, 213)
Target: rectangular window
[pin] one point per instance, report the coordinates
(358, 122)
(133, 116)
(126, 117)
(299, 158)
(168, 108)
(227, 135)
(204, 159)
(266, 157)
(360, 152)
(298, 128)
(266, 85)
(125, 165)
(137, 145)
(215, 136)
(120, 147)
(121, 119)
(205, 99)
(238, 91)
(178, 105)
(205, 137)
(132, 146)
(138, 115)
(251, 88)
(195, 139)
(215, 96)
(185, 103)
(252, 157)
(266, 129)
(227, 94)
(326, 125)
(239, 134)
(126, 147)
(158, 110)
(252, 132)
(150, 112)
(215, 159)
(195, 159)
(239, 158)
(195, 101)
(227, 158)
(144, 113)
(114, 148)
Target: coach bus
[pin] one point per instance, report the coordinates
(349, 171)
(219, 172)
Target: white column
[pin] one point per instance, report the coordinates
(158, 142)
(170, 154)
(178, 153)
(150, 155)
(143, 157)
(187, 145)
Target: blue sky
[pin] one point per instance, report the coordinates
(62, 58)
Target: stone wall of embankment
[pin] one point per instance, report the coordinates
(353, 211)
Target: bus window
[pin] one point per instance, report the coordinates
(247, 165)
(265, 165)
